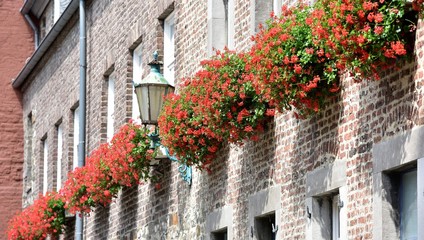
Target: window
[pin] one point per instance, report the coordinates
(326, 195)
(137, 76)
(169, 49)
(45, 165)
(398, 176)
(262, 10)
(110, 108)
(219, 224)
(220, 24)
(265, 214)
(59, 156)
(59, 7)
(76, 139)
(29, 134)
(277, 5)
(336, 204)
(221, 234)
(265, 227)
(42, 30)
(408, 205)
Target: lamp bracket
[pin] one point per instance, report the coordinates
(185, 171)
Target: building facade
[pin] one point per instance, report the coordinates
(338, 175)
(16, 44)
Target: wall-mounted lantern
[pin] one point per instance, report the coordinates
(150, 94)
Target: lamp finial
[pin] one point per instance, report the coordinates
(155, 55)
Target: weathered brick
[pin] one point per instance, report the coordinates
(15, 46)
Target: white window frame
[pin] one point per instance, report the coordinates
(169, 49)
(391, 155)
(59, 7)
(278, 4)
(110, 108)
(260, 14)
(56, 10)
(76, 139)
(59, 157)
(215, 25)
(137, 76)
(45, 166)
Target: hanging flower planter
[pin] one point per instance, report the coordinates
(46, 217)
(218, 104)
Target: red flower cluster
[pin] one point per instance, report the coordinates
(298, 58)
(290, 67)
(122, 162)
(45, 217)
(218, 104)
(363, 36)
(295, 62)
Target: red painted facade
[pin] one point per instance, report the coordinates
(16, 45)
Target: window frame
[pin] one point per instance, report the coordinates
(169, 48)
(213, 25)
(75, 143)
(401, 195)
(59, 157)
(137, 76)
(323, 186)
(263, 203)
(45, 152)
(110, 121)
(218, 220)
(395, 155)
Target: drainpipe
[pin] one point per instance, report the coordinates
(34, 29)
(79, 223)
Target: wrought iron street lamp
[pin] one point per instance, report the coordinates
(150, 94)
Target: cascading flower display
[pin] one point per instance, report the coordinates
(183, 131)
(364, 36)
(125, 161)
(218, 104)
(46, 217)
(290, 66)
(122, 162)
(295, 62)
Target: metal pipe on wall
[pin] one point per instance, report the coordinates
(79, 223)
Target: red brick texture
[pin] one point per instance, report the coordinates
(365, 113)
(15, 47)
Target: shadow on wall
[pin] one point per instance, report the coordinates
(394, 146)
(155, 208)
(369, 112)
(128, 212)
(256, 169)
(101, 222)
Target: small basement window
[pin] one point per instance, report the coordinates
(221, 234)
(265, 227)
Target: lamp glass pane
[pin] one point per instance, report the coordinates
(156, 96)
(143, 102)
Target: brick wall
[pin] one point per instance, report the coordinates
(15, 46)
(364, 114)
